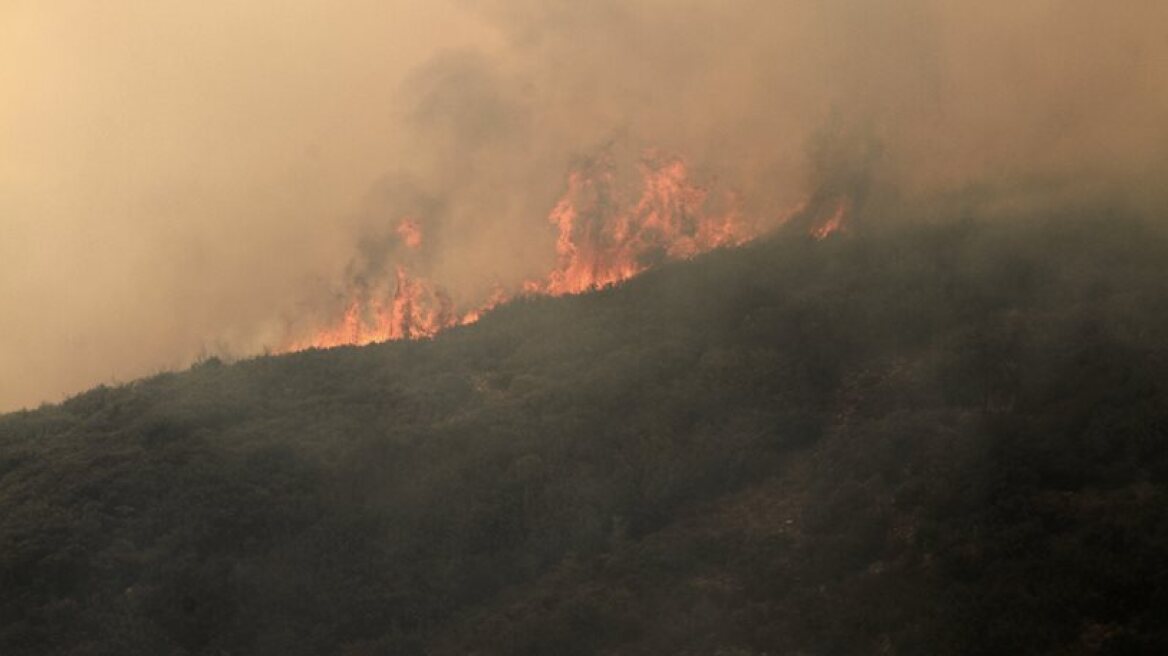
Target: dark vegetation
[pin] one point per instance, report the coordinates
(930, 439)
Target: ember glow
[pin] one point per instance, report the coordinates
(833, 223)
(605, 235)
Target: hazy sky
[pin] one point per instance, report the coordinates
(170, 171)
(183, 177)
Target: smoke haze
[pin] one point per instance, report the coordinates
(179, 178)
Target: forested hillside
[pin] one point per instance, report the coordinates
(942, 438)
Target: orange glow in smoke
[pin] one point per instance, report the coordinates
(833, 223)
(410, 233)
(603, 236)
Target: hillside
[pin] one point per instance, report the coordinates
(913, 439)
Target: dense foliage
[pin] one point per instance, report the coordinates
(926, 439)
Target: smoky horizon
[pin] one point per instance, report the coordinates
(184, 180)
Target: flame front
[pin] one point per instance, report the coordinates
(603, 237)
(600, 243)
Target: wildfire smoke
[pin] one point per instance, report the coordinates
(162, 152)
(603, 237)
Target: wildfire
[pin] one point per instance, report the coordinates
(599, 244)
(409, 308)
(833, 223)
(603, 236)
(414, 308)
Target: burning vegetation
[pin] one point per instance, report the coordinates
(605, 235)
(943, 438)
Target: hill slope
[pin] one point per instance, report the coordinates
(919, 439)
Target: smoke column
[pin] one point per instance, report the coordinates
(179, 179)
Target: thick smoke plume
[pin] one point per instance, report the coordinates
(184, 178)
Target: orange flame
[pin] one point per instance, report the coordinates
(602, 239)
(600, 245)
(833, 223)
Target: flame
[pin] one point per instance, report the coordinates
(603, 236)
(599, 244)
(413, 310)
(498, 297)
(833, 223)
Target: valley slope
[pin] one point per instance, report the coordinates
(944, 438)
